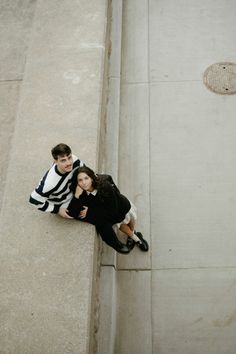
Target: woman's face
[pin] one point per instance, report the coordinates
(85, 182)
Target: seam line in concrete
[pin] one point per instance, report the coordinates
(133, 270)
(135, 83)
(155, 82)
(11, 80)
(195, 268)
(170, 81)
(150, 176)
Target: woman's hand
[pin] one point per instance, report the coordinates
(78, 191)
(83, 213)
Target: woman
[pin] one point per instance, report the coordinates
(99, 202)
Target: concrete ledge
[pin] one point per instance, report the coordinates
(47, 263)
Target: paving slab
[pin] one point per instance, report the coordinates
(107, 313)
(192, 176)
(9, 94)
(193, 311)
(134, 164)
(135, 41)
(134, 332)
(16, 19)
(115, 40)
(186, 37)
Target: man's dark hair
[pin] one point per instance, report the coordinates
(60, 150)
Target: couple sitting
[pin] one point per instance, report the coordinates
(73, 190)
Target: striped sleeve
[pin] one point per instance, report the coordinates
(39, 198)
(54, 189)
(42, 203)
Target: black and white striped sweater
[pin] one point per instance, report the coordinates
(54, 189)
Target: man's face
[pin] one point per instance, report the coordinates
(64, 163)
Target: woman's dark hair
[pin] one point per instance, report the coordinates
(97, 182)
(60, 150)
(90, 173)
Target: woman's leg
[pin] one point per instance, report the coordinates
(110, 238)
(131, 224)
(128, 229)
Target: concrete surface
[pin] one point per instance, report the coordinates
(170, 146)
(134, 330)
(108, 277)
(192, 179)
(177, 163)
(15, 24)
(193, 311)
(9, 93)
(193, 205)
(16, 18)
(48, 290)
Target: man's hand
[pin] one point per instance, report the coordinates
(63, 213)
(83, 213)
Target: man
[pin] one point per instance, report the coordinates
(54, 192)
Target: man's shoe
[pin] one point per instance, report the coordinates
(142, 244)
(122, 249)
(130, 243)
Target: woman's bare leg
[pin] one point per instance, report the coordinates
(128, 229)
(131, 224)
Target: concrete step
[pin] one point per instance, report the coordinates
(127, 127)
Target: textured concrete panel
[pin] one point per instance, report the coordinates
(115, 37)
(58, 101)
(111, 126)
(16, 18)
(134, 164)
(107, 313)
(193, 176)
(9, 94)
(134, 333)
(187, 37)
(194, 311)
(44, 274)
(135, 41)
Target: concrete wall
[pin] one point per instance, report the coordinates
(16, 20)
(56, 50)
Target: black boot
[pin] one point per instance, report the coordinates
(121, 248)
(142, 244)
(130, 243)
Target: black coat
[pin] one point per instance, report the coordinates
(108, 205)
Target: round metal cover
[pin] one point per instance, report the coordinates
(221, 78)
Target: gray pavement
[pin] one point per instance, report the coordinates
(177, 163)
(170, 145)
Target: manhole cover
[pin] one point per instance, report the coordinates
(221, 78)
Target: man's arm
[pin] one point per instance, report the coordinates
(64, 213)
(41, 203)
